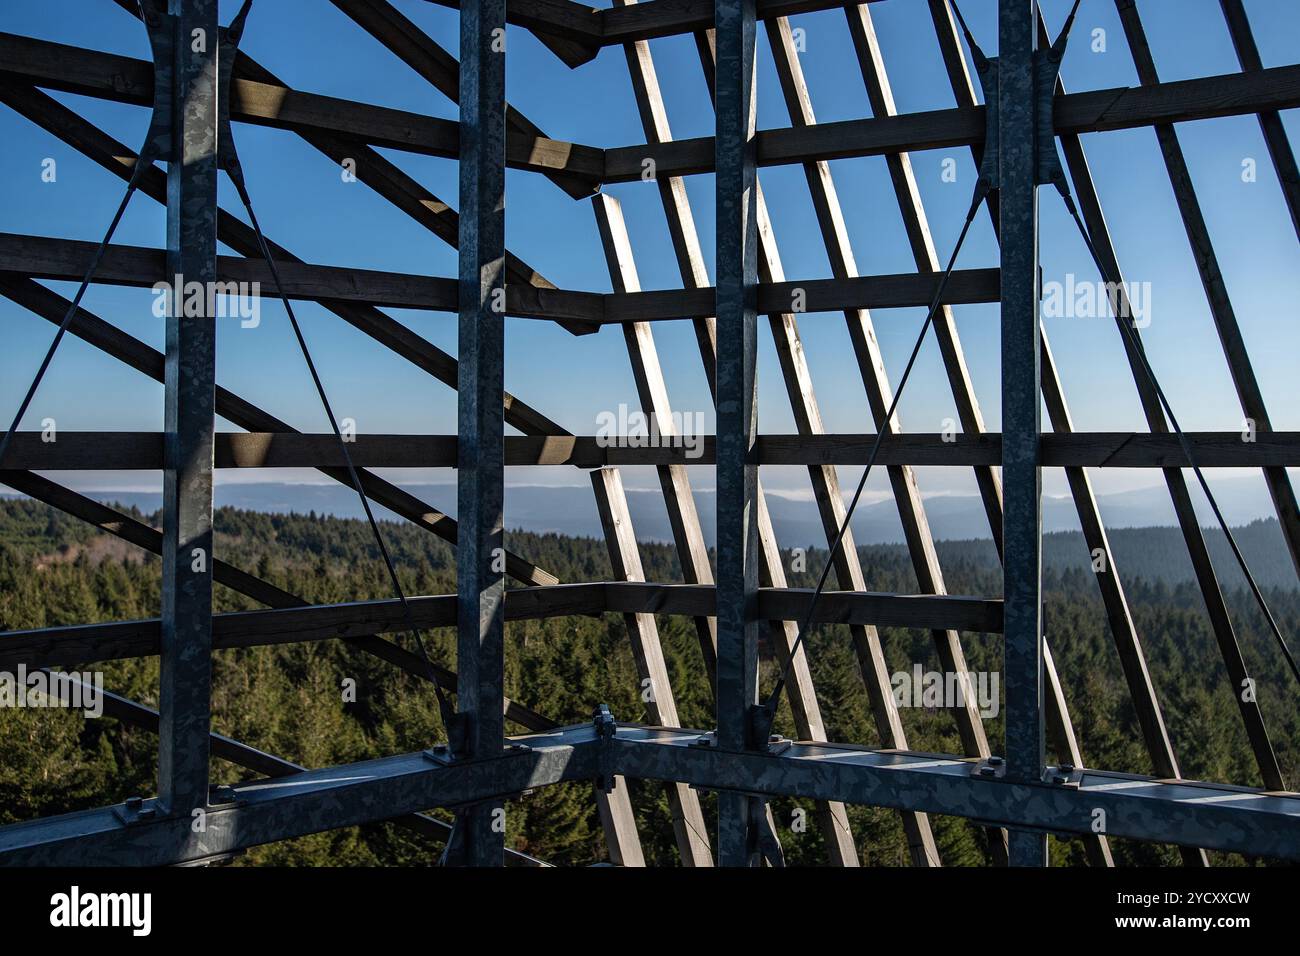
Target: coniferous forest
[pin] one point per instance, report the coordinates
(289, 699)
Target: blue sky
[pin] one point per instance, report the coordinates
(304, 204)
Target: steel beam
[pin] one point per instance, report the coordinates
(185, 671)
(309, 802)
(1128, 644)
(737, 469)
(480, 476)
(260, 762)
(673, 479)
(1017, 118)
(1232, 819)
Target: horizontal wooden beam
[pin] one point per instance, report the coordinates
(1098, 111)
(42, 257)
(640, 21)
(1076, 449)
(86, 643)
(123, 79)
(662, 18)
(143, 451)
(129, 80)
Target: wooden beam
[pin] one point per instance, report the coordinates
(643, 21)
(52, 307)
(1207, 578)
(136, 532)
(143, 451)
(1132, 659)
(1270, 121)
(323, 121)
(141, 267)
(1244, 380)
(126, 80)
(417, 50)
(656, 689)
(87, 643)
(120, 160)
(652, 391)
(1233, 94)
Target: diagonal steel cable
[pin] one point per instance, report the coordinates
(142, 162)
(444, 706)
(1129, 332)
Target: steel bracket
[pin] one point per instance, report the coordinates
(760, 838)
(602, 721)
(446, 756)
(1047, 71)
(138, 810)
(230, 37)
(990, 768)
(1065, 775)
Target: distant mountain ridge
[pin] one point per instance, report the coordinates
(571, 509)
(1140, 523)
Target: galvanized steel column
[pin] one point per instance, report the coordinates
(1021, 471)
(737, 471)
(185, 679)
(480, 553)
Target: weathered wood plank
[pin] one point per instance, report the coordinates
(656, 689)
(125, 80)
(85, 643)
(142, 451)
(141, 267)
(1097, 111)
